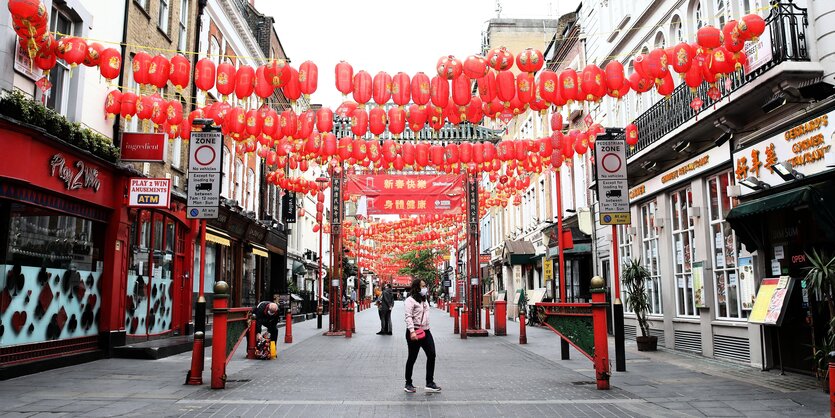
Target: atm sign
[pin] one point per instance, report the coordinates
(149, 193)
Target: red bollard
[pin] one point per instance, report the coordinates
(523, 336)
(486, 317)
(288, 328)
(250, 340)
(195, 375)
(832, 384)
(220, 307)
(346, 322)
(454, 314)
(500, 317)
(452, 306)
(601, 336)
(464, 317)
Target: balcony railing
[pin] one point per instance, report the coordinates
(787, 26)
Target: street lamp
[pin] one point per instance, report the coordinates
(323, 184)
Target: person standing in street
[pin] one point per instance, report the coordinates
(418, 335)
(386, 305)
(266, 315)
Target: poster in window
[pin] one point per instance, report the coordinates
(24, 65)
(720, 260)
(699, 284)
(746, 283)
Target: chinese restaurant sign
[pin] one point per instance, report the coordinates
(804, 146)
(684, 171)
(416, 194)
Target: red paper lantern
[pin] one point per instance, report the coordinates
(159, 71)
(416, 117)
(306, 121)
(439, 91)
(225, 78)
(400, 89)
(475, 67)
(141, 62)
(128, 108)
(204, 73)
(594, 83)
(235, 120)
(525, 87)
(631, 133)
(346, 109)
(693, 77)
(377, 121)
(329, 145)
(174, 112)
(500, 59)
(93, 54)
(159, 105)
(665, 85)
(360, 148)
(263, 87)
(420, 89)
(344, 77)
(293, 89)
(461, 90)
(270, 123)
(569, 88)
(389, 151)
(656, 64)
(721, 61)
(308, 78)
(362, 87)
(324, 119)
(422, 154)
(547, 85)
(556, 121)
(505, 87)
(709, 37)
(45, 63)
(751, 27)
(381, 88)
(639, 62)
(474, 112)
(244, 82)
(449, 67)
(733, 41)
(639, 84)
(110, 63)
(72, 50)
(614, 75)
(682, 57)
(397, 120)
(180, 72)
(530, 60)
(113, 102)
(29, 10)
(436, 155)
(288, 122)
(374, 152)
(144, 107)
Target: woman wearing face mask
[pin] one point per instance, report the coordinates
(418, 335)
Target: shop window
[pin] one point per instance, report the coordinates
(682, 229)
(725, 251)
(210, 266)
(649, 255)
(149, 283)
(50, 275)
(59, 76)
(624, 254)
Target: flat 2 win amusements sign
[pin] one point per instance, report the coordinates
(149, 193)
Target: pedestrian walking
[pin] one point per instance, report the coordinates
(266, 315)
(418, 335)
(385, 306)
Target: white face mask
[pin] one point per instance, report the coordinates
(424, 291)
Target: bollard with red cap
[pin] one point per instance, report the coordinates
(454, 313)
(250, 339)
(486, 317)
(220, 308)
(288, 328)
(500, 316)
(523, 336)
(464, 315)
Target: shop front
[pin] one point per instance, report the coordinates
(785, 214)
(698, 286)
(62, 243)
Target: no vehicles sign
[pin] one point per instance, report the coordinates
(204, 175)
(612, 186)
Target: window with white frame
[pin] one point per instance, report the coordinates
(176, 151)
(698, 15)
(182, 38)
(238, 181)
(725, 250)
(676, 31)
(250, 189)
(624, 254)
(227, 170)
(649, 253)
(164, 15)
(532, 206)
(59, 76)
(720, 12)
(542, 212)
(682, 229)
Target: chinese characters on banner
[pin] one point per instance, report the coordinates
(407, 195)
(336, 203)
(472, 206)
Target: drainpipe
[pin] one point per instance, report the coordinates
(117, 139)
(201, 6)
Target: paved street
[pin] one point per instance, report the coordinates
(363, 376)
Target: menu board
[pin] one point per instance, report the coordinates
(771, 301)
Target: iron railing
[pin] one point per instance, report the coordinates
(786, 24)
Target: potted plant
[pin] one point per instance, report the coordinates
(820, 277)
(634, 279)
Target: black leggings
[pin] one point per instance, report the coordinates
(428, 345)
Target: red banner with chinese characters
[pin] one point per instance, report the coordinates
(408, 195)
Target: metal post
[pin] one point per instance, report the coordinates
(561, 244)
(319, 304)
(220, 311)
(200, 306)
(617, 307)
(288, 328)
(195, 375)
(601, 337)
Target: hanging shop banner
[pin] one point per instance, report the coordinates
(336, 203)
(143, 147)
(684, 171)
(149, 193)
(289, 208)
(547, 268)
(804, 146)
(472, 206)
(407, 195)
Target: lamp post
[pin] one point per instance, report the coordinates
(323, 183)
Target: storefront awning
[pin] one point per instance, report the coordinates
(217, 239)
(518, 252)
(260, 251)
(749, 219)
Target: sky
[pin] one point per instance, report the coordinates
(391, 36)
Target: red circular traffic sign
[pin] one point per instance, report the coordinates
(611, 163)
(204, 155)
